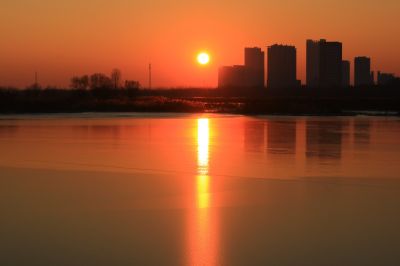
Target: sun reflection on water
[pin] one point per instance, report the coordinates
(203, 136)
(202, 249)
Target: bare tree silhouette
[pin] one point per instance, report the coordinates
(132, 85)
(100, 81)
(80, 83)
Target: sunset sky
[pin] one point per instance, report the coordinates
(63, 38)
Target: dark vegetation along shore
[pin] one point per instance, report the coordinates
(299, 101)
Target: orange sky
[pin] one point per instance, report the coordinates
(63, 38)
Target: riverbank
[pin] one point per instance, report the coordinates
(206, 101)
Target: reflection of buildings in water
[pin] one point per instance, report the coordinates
(324, 139)
(8, 130)
(254, 136)
(98, 131)
(114, 132)
(105, 131)
(362, 132)
(281, 137)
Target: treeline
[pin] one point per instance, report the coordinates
(95, 100)
(96, 94)
(98, 81)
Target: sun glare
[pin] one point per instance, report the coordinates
(202, 145)
(203, 58)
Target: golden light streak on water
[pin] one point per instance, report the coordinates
(202, 235)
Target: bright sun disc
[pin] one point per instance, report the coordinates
(203, 58)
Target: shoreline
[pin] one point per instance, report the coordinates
(284, 103)
(158, 114)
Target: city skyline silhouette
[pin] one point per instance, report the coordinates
(274, 68)
(61, 40)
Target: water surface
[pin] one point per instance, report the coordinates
(166, 189)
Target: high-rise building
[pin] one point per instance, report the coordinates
(324, 64)
(362, 71)
(345, 73)
(282, 66)
(254, 63)
(249, 75)
(330, 64)
(312, 63)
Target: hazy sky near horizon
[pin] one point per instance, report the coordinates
(63, 38)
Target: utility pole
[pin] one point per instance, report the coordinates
(150, 76)
(36, 84)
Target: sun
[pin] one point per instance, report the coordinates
(203, 58)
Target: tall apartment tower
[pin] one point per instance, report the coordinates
(345, 73)
(254, 63)
(282, 66)
(362, 71)
(324, 64)
(312, 63)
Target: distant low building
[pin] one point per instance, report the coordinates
(249, 75)
(232, 76)
(386, 78)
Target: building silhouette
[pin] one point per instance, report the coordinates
(312, 63)
(362, 71)
(385, 78)
(282, 66)
(324, 64)
(331, 64)
(254, 63)
(324, 68)
(249, 75)
(345, 73)
(232, 76)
